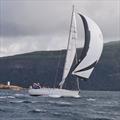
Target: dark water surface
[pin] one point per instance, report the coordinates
(92, 105)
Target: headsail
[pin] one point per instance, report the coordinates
(92, 48)
(71, 48)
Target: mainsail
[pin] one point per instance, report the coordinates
(92, 48)
(71, 48)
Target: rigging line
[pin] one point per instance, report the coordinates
(56, 75)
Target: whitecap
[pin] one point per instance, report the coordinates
(34, 101)
(64, 103)
(21, 95)
(17, 101)
(60, 102)
(37, 110)
(56, 114)
(18, 94)
(2, 97)
(12, 97)
(91, 99)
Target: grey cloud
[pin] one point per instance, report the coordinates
(38, 17)
(45, 24)
(30, 18)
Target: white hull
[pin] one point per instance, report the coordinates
(53, 92)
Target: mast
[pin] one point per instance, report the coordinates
(71, 48)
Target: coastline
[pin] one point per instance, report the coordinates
(13, 87)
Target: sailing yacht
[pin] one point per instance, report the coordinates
(89, 57)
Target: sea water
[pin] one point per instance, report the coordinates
(92, 105)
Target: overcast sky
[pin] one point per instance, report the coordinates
(33, 25)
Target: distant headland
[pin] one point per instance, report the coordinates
(8, 86)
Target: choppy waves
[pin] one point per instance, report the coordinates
(90, 106)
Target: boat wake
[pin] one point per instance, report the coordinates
(55, 96)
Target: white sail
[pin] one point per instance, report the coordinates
(90, 55)
(71, 49)
(92, 48)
